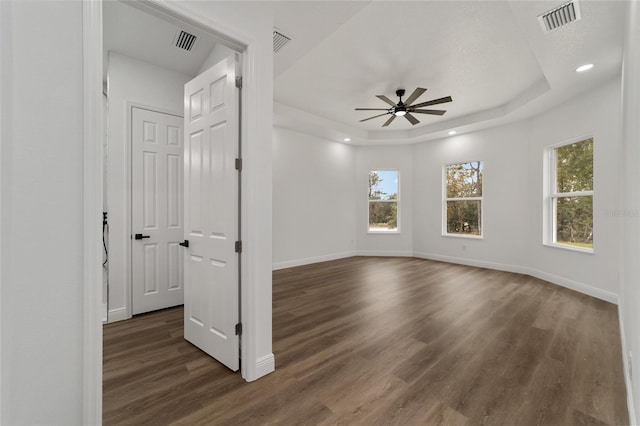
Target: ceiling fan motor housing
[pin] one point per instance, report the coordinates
(400, 110)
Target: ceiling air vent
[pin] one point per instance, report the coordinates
(560, 16)
(279, 40)
(185, 41)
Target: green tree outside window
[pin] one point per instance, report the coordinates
(572, 194)
(383, 201)
(463, 198)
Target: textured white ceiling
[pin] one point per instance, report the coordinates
(132, 32)
(307, 23)
(490, 56)
(450, 48)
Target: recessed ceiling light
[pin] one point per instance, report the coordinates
(585, 67)
(347, 139)
(452, 132)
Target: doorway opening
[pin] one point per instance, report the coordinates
(148, 57)
(143, 69)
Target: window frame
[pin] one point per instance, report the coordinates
(550, 217)
(445, 199)
(397, 201)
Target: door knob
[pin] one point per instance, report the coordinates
(185, 243)
(140, 236)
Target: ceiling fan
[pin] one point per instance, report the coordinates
(405, 109)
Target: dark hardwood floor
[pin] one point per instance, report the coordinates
(377, 341)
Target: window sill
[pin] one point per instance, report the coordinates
(570, 248)
(383, 232)
(469, 237)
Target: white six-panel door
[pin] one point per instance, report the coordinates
(211, 309)
(157, 212)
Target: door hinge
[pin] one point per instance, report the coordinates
(239, 82)
(239, 329)
(238, 246)
(239, 164)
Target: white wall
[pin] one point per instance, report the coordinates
(598, 113)
(630, 208)
(384, 158)
(512, 200)
(42, 213)
(513, 195)
(314, 210)
(318, 182)
(131, 82)
(506, 216)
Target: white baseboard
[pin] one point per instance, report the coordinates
(470, 262)
(119, 314)
(625, 364)
(383, 253)
(310, 260)
(598, 293)
(264, 366)
(605, 295)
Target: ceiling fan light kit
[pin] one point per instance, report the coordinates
(406, 109)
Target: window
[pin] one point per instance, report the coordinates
(463, 199)
(570, 200)
(383, 201)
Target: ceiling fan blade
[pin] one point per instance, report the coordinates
(386, 123)
(429, 111)
(372, 109)
(433, 102)
(375, 116)
(387, 100)
(415, 95)
(411, 119)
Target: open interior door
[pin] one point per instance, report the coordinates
(211, 208)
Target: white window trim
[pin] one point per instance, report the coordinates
(550, 195)
(445, 199)
(383, 232)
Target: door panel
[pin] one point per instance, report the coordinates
(156, 210)
(174, 191)
(211, 213)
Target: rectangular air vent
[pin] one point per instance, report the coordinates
(185, 41)
(279, 40)
(560, 16)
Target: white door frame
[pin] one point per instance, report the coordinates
(92, 199)
(92, 132)
(4, 13)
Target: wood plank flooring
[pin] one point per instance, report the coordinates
(385, 341)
